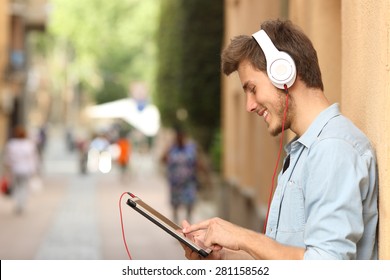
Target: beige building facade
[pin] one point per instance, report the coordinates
(352, 39)
(4, 31)
(17, 19)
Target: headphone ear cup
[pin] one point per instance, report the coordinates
(281, 70)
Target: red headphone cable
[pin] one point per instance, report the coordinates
(122, 227)
(278, 159)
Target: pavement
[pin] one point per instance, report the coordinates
(76, 217)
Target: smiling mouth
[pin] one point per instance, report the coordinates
(263, 113)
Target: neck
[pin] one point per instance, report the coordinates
(308, 104)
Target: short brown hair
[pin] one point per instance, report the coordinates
(286, 37)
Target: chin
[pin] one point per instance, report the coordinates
(275, 131)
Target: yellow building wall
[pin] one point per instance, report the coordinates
(3, 34)
(4, 31)
(321, 21)
(366, 89)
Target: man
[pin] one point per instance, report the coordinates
(325, 202)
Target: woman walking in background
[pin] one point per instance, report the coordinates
(21, 162)
(181, 161)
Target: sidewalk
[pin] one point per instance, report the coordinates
(76, 216)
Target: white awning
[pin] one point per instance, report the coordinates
(146, 120)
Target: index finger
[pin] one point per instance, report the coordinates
(194, 227)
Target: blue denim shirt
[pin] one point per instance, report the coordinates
(326, 200)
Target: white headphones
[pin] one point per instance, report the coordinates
(280, 66)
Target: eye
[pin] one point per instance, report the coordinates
(252, 90)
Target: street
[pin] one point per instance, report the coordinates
(76, 216)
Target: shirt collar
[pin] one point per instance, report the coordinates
(314, 130)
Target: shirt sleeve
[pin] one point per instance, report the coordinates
(337, 174)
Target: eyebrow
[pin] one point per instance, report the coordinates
(246, 85)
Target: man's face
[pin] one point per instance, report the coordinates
(262, 97)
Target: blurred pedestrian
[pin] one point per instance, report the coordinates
(41, 140)
(125, 147)
(99, 156)
(69, 139)
(181, 163)
(21, 162)
(82, 146)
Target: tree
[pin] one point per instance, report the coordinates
(112, 42)
(188, 76)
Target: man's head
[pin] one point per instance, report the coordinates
(286, 37)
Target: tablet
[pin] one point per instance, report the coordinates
(164, 223)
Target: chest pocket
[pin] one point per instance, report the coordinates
(292, 211)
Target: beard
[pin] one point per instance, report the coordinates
(275, 131)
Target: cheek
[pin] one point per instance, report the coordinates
(281, 103)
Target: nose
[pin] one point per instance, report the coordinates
(251, 104)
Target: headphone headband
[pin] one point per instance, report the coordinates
(280, 66)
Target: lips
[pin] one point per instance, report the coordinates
(263, 113)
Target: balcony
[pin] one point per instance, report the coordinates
(34, 12)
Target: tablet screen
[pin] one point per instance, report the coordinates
(164, 223)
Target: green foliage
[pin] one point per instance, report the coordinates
(112, 41)
(188, 77)
(167, 92)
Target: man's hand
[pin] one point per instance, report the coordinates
(197, 237)
(217, 232)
